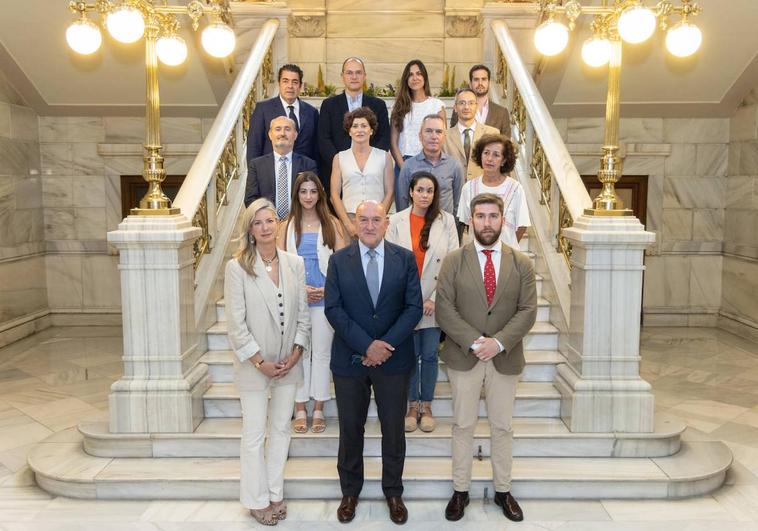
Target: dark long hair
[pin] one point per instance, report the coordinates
(404, 98)
(433, 212)
(328, 222)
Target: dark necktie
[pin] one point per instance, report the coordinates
(467, 143)
(292, 116)
(489, 276)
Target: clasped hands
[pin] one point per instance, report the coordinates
(377, 353)
(485, 348)
(314, 295)
(281, 368)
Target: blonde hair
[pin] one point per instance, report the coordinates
(246, 251)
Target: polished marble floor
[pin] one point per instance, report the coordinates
(57, 378)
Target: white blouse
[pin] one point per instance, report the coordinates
(408, 141)
(360, 185)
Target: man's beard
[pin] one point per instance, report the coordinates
(489, 238)
(481, 92)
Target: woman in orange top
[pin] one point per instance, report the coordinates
(430, 233)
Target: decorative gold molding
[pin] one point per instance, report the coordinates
(463, 25)
(518, 115)
(564, 221)
(203, 244)
(541, 171)
(306, 25)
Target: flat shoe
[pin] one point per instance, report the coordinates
(300, 423)
(319, 423)
(280, 510)
(264, 516)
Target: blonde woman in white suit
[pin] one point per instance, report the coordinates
(269, 328)
(430, 233)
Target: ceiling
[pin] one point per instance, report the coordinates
(713, 82)
(55, 81)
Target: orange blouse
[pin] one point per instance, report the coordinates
(417, 223)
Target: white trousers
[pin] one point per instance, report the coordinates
(262, 477)
(316, 373)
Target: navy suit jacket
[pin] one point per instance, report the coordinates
(258, 142)
(261, 176)
(332, 137)
(357, 323)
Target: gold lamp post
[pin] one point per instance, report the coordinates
(615, 21)
(129, 20)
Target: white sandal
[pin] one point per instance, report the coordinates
(300, 424)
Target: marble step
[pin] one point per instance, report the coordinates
(543, 310)
(61, 467)
(533, 399)
(543, 336)
(533, 437)
(540, 366)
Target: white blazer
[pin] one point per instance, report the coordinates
(323, 251)
(443, 238)
(255, 307)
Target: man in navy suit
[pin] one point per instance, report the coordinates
(272, 174)
(332, 137)
(373, 302)
(287, 103)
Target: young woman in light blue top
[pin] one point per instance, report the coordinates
(314, 234)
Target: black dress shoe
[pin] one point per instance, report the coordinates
(456, 506)
(398, 512)
(346, 510)
(510, 506)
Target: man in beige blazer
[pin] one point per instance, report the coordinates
(486, 304)
(488, 112)
(461, 138)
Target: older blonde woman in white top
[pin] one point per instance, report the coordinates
(269, 328)
(430, 233)
(362, 172)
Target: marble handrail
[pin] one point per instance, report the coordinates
(565, 173)
(199, 177)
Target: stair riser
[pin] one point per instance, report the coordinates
(543, 341)
(224, 373)
(543, 313)
(329, 489)
(443, 407)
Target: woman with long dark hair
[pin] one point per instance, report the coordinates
(314, 234)
(430, 233)
(269, 328)
(413, 101)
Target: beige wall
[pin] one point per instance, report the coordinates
(23, 295)
(739, 303)
(686, 161)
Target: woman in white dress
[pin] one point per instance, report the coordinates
(496, 155)
(269, 328)
(314, 234)
(413, 102)
(361, 172)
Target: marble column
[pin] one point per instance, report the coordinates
(600, 385)
(162, 386)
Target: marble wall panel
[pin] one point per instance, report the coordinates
(667, 282)
(387, 5)
(72, 128)
(16, 157)
(743, 124)
(742, 192)
(23, 287)
(89, 223)
(307, 49)
(88, 191)
(131, 130)
(748, 164)
(693, 192)
(5, 120)
(682, 160)
(386, 25)
(24, 123)
(677, 224)
(712, 160)
(632, 130)
(705, 282)
(400, 50)
(380, 73)
(462, 50)
(64, 280)
(696, 130)
(7, 93)
(59, 224)
(733, 158)
(742, 227)
(28, 192)
(56, 158)
(85, 160)
(112, 202)
(708, 224)
(740, 284)
(57, 191)
(101, 282)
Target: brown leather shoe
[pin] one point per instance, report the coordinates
(456, 506)
(398, 512)
(346, 510)
(511, 508)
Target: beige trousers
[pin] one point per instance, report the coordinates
(500, 394)
(262, 472)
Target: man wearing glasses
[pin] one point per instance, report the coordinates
(463, 135)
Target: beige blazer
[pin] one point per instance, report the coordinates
(497, 117)
(443, 238)
(454, 147)
(463, 313)
(253, 308)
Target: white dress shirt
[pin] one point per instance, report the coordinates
(379, 259)
(295, 104)
(354, 102)
(482, 111)
(497, 254)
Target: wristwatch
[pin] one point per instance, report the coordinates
(258, 364)
(299, 347)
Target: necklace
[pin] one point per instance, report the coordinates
(312, 225)
(270, 262)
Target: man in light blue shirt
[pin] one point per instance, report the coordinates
(444, 167)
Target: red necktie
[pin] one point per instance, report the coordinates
(489, 276)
